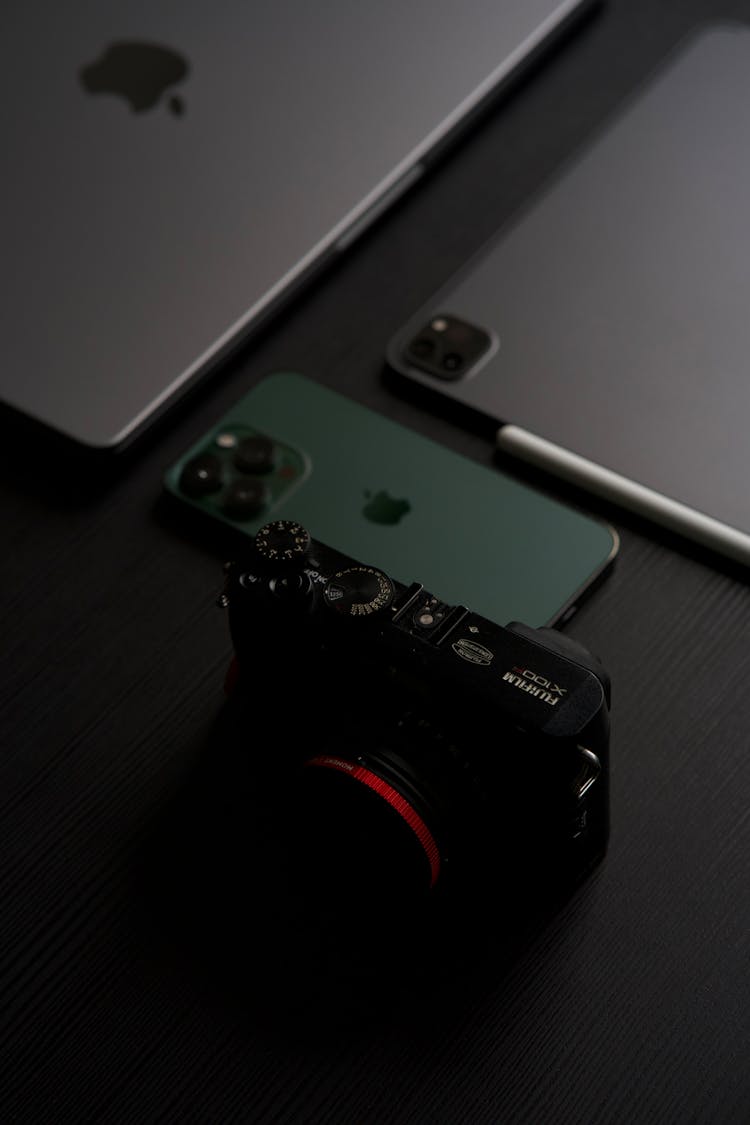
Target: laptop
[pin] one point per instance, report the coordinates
(173, 173)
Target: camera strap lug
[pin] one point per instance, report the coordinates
(591, 767)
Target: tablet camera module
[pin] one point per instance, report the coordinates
(448, 347)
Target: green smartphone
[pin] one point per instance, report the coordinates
(387, 496)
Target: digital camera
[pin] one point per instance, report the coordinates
(417, 745)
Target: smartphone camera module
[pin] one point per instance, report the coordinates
(241, 474)
(448, 347)
(201, 475)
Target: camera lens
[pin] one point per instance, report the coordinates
(422, 347)
(255, 455)
(452, 361)
(378, 825)
(244, 498)
(201, 475)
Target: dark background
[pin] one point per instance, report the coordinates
(127, 993)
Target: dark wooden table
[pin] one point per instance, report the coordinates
(630, 1005)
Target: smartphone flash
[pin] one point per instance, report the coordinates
(226, 441)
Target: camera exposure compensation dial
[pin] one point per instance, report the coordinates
(358, 591)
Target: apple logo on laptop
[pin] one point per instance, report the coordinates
(384, 508)
(138, 72)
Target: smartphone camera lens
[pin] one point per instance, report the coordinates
(201, 475)
(255, 454)
(244, 498)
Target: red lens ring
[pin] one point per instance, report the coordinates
(392, 797)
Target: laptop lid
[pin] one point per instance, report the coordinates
(173, 172)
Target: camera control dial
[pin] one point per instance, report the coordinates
(283, 542)
(358, 591)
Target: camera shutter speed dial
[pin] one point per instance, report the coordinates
(358, 591)
(283, 542)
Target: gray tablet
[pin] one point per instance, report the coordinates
(606, 332)
(172, 172)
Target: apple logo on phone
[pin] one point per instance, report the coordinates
(384, 508)
(138, 72)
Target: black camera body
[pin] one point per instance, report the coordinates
(421, 746)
